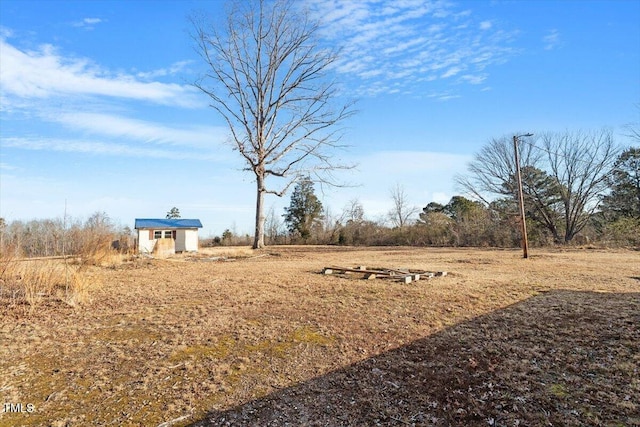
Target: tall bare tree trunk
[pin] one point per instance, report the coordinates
(258, 240)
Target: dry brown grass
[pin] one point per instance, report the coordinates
(35, 281)
(30, 281)
(229, 252)
(66, 279)
(269, 340)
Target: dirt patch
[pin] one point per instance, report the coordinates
(553, 340)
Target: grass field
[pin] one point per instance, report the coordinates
(237, 338)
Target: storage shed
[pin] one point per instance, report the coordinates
(167, 236)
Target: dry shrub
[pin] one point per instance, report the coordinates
(97, 250)
(113, 258)
(79, 288)
(94, 248)
(101, 256)
(40, 279)
(32, 281)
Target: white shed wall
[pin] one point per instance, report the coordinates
(145, 245)
(190, 240)
(186, 241)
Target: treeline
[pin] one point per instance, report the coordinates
(578, 188)
(461, 222)
(61, 236)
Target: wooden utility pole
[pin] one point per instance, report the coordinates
(525, 241)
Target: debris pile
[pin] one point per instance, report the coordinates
(403, 275)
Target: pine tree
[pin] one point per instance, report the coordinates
(304, 211)
(624, 181)
(173, 213)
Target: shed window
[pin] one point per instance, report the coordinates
(157, 234)
(168, 234)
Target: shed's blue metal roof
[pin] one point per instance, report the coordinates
(167, 223)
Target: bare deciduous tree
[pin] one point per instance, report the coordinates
(274, 226)
(402, 211)
(493, 166)
(572, 167)
(353, 212)
(267, 76)
(580, 163)
(633, 129)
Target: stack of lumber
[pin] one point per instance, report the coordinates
(404, 275)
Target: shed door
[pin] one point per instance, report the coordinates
(180, 241)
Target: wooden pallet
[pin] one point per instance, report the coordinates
(400, 275)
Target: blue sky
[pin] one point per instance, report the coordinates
(97, 110)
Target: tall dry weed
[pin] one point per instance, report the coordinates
(31, 281)
(79, 288)
(40, 279)
(8, 278)
(65, 270)
(111, 258)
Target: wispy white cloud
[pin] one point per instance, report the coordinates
(45, 73)
(173, 69)
(140, 130)
(406, 41)
(451, 72)
(5, 32)
(485, 25)
(87, 23)
(443, 96)
(93, 147)
(97, 109)
(474, 79)
(551, 40)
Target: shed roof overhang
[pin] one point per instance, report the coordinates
(177, 223)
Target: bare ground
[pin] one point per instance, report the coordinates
(268, 340)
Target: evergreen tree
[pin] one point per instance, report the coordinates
(460, 207)
(227, 237)
(173, 213)
(542, 196)
(624, 182)
(304, 211)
